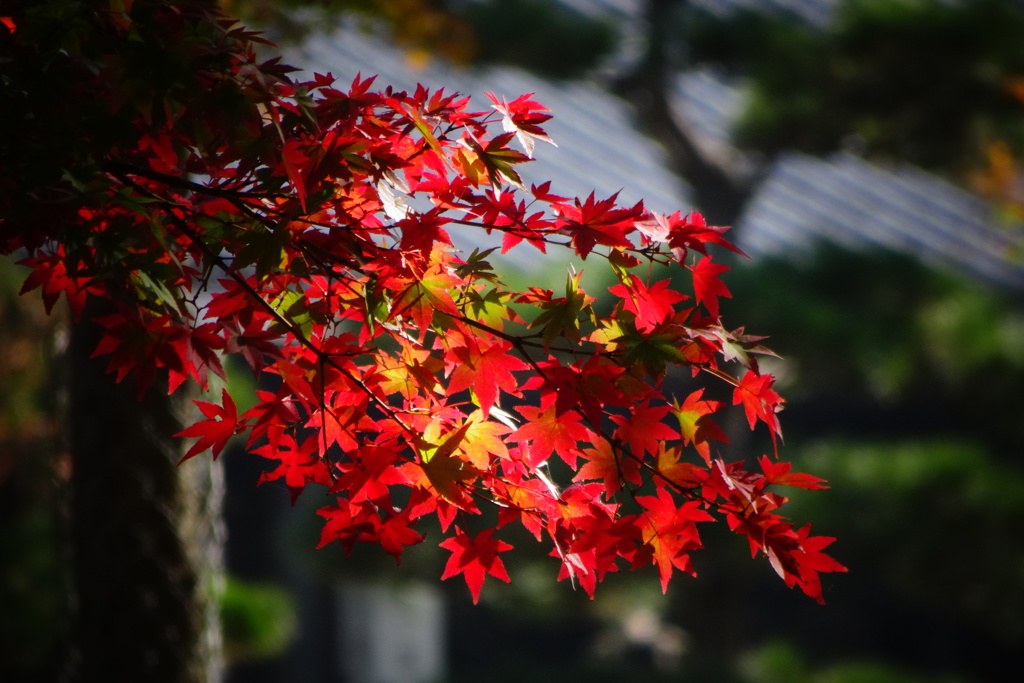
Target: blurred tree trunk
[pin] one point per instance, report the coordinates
(146, 534)
(719, 189)
(33, 574)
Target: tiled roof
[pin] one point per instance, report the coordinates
(814, 11)
(851, 202)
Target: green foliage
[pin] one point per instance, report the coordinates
(416, 26)
(781, 661)
(777, 661)
(919, 80)
(547, 38)
(927, 509)
(258, 619)
(882, 327)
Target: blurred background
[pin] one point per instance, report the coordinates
(868, 155)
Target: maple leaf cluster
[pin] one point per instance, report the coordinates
(311, 234)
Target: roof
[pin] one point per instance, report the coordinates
(846, 200)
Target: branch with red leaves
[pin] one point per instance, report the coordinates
(310, 234)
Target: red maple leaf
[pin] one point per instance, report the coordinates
(595, 222)
(485, 368)
(523, 116)
(684, 473)
(797, 558)
(669, 533)
(420, 297)
(696, 425)
(475, 558)
(191, 352)
(441, 468)
(395, 533)
(216, 430)
(300, 464)
(550, 432)
(652, 306)
(51, 274)
(780, 473)
(605, 463)
(707, 286)
(369, 474)
(760, 401)
(682, 234)
(585, 385)
(483, 439)
(347, 523)
(296, 165)
(350, 522)
(271, 416)
(421, 231)
(810, 561)
(643, 428)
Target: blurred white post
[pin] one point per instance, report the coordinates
(390, 633)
